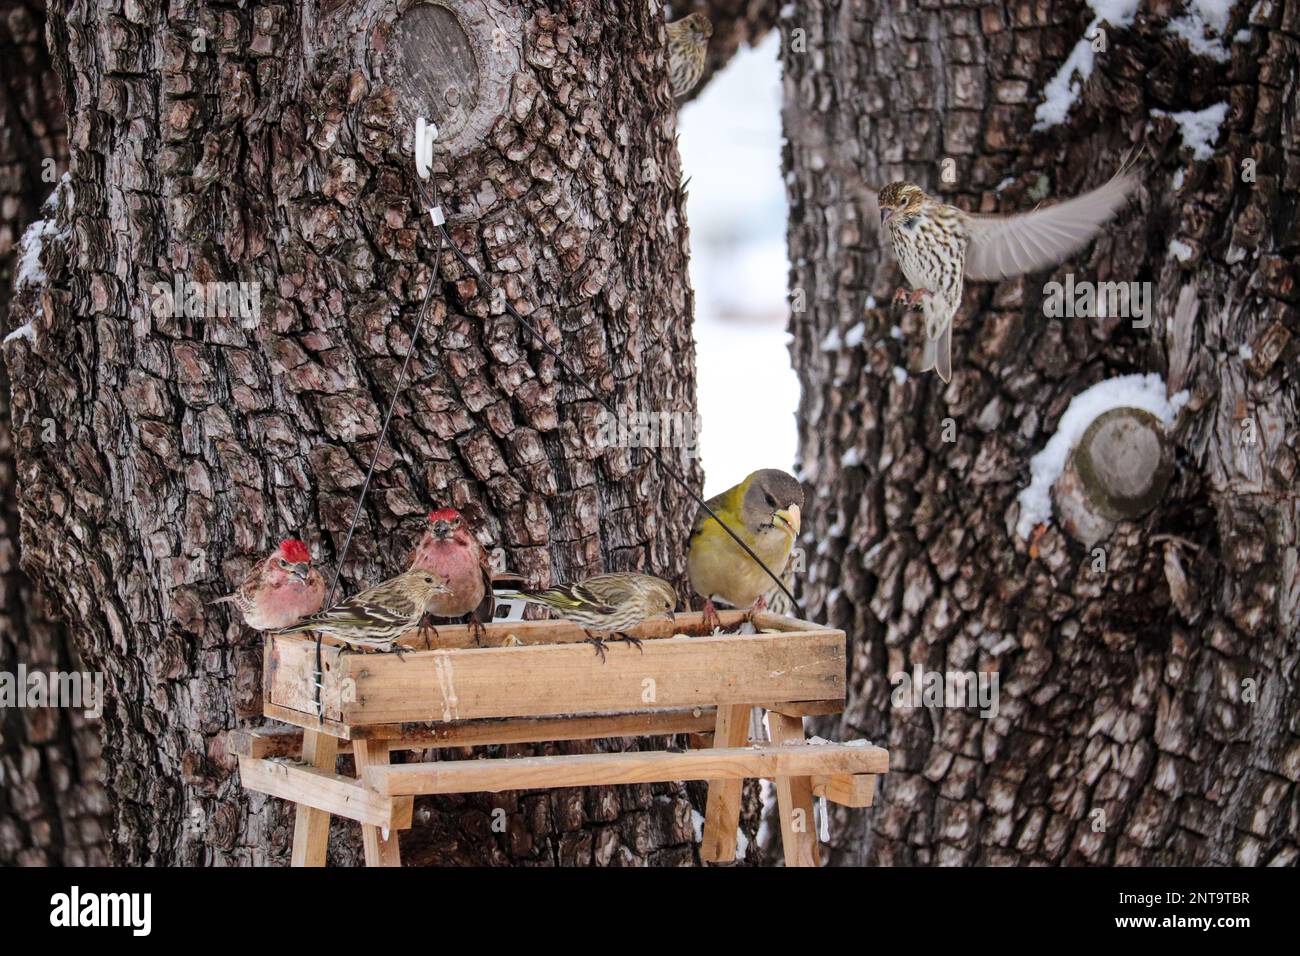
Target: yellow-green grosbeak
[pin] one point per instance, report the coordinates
(764, 511)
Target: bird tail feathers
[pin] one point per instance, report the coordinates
(937, 354)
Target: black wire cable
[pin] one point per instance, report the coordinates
(374, 458)
(573, 374)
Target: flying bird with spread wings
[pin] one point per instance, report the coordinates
(940, 246)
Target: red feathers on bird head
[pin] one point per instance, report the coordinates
(294, 551)
(448, 515)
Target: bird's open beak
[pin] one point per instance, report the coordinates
(300, 571)
(789, 517)
(885, 214)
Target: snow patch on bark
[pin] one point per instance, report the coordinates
(30, 271)
(1198, 38)
(27, 331)
(1062, 90)
(1199, 128)
(1146, 392)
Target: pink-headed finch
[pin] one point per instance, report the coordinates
(279, 590)
(449, 549)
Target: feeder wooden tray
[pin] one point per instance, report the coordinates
(533, 681)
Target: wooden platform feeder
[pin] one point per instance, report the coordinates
(535, 681)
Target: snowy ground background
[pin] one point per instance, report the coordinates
(736, 207)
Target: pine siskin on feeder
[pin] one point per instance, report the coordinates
(377, 616)
(279, 590)
(764, 511)
(610, 603)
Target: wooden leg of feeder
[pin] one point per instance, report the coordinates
(722, 813)
(794, 797)
(379, 851)
(311, 827)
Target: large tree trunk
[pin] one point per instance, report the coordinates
(52, 804)
(271, 145)
(1148, 711)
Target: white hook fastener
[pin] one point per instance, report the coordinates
(425, 134)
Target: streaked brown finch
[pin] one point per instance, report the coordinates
(377, 616)
(610, 603)
(688, 47)
(939, 245)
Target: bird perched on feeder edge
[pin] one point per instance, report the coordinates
(688, 47)
(611, 603)
(449, 550)
(764, 511)
(377, 616)
(938, 245)
(279, 590)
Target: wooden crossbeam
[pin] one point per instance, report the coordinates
(845, 789)
(287, 741)
(580, 770)
(325, 793)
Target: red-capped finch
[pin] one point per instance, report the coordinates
(280, 590)
(449, 549)
(764, 511)
(939, 245)
(377, 616)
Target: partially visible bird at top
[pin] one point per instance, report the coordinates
(688, 47)
(609, 603)
(939, 245)
(764, 510)
(279, 590)
(377, 616)
(449, 549)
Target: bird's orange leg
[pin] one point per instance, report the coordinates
(710, 618)
(909, 296)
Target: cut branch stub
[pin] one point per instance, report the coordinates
(1118, 471)
(451, 61)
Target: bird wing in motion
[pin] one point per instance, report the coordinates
(1002, 246)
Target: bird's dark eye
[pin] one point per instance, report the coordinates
(771, 502)
(284, 563)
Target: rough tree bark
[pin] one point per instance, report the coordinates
(1162, 691)
(52, 804)
(269, 145)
